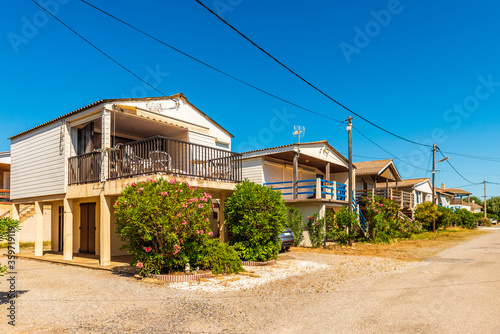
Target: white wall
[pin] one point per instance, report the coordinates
(6, 180)
(37, 166)
(201, 139)
(252, 170)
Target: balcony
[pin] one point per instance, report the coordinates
(311, 189)
(5, 196)
(404, 198)
(156, 155)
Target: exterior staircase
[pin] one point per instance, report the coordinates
(361, 218)
(25, 212)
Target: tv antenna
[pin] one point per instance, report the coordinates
(298, 131)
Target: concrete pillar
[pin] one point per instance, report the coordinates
(105, 143)
(222, 224)
(15, 215)
(68, 230)
(39, 229)
(105, 231)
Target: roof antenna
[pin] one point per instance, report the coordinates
(298, 131)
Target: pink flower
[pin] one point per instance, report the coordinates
(194, 199)
(124, 202)
(179, 215)
(164, 193)
(200, 205)
(178, 190)
(148, 249)
(181, 241)
(201, 231)
(155, 181)
(184, 205)
(184, 222)
(133, 184)
(204, 199)
(116, 203)
(211, 233)
(139, 265)
(173, 181)
(129, 206)
(150, 179)
(212, 205)
(206, 219)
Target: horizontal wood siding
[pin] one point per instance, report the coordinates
(201, 139)
(252, 170)
(37, 166)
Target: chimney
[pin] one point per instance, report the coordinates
(442, 186)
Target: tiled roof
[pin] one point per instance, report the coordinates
(371, 167)
(404, 183)
(457, 191)
(178, 95)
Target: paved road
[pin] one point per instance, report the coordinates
(457, 292)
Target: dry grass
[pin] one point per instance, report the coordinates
(422, 246)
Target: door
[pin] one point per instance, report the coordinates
(87, 228)
(60, 244)
(86, 139)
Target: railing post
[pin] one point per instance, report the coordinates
(334, 191)
(318, 188)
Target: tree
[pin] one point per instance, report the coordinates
(7, 226)
(256, 216)
(476, 200)
(294, 222)
(493, 205)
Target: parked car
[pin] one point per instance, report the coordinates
(493, 221)
(287, 239)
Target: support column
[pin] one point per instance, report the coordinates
(68, 230)
(39, 229)
(222, 224)
(105, 230)
(295, 173)
(15, 215)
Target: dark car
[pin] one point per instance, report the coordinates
(287, 238)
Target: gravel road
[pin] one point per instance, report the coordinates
(456, 292)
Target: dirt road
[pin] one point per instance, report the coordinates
(455, 292)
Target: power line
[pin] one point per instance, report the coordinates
(448, 160)
(476, 157)
(206, 64)
(383, 149)
(95, 47)
(304, 80)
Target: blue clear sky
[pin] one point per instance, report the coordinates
(428, 71)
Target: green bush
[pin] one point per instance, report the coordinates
(464, 218)
(425, 213)
(385, 221)
(7, 225)
(221, 258)
(483, 221)
(256, 216)
(343, 226)
(164, 224)
(445, 217)
(316, 229)
(294, 222)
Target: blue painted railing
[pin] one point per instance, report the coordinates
(331, 189)
(362, 219)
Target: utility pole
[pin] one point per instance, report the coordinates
(485, 216)
(433, 183)
(349, 193)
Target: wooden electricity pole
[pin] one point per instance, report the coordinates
(485, 216)
(433, 184)
(350, 190)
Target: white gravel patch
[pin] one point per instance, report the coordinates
(253, 277)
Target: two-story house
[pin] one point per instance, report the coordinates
(80, 162)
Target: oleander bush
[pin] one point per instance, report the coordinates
(165, 224)
(483, 221)
(256, 216)
(316, 228)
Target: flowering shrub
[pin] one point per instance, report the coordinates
(344, 227)
(294, 222)
(164, 224)
(315, 227)
(7, 225)
(256, 216)
(386, 223)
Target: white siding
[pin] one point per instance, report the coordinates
(252, 170)
(201, 139)
(38, 165)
